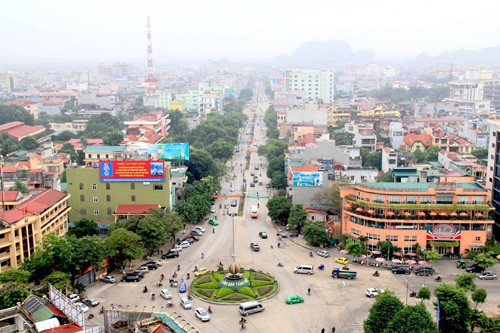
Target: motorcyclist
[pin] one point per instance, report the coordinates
(209, 309)
(145, 289)
(376, 273)
(153, 296)
(178, 267)
(311, 253)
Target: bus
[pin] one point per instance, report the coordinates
(253, 212)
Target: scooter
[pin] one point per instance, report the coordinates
(170, 304)
(376, 273)
(321, 267)
(145, 290)
(438, 278)
(413, 294)
(311, 254)
(280, 264)
(91, 315)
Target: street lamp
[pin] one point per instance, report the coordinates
(1, 183)
(406, 302)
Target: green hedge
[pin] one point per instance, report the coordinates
(209, 285)
(247, 274)
(246, 291)
(218, 276)
(224, 292)
(259, 283)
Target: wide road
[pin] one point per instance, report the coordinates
(340, 303)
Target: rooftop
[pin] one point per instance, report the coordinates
(124, 209)
(90, 149)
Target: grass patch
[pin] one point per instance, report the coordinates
(264, 290)
(223, 292)
(203, 279)
(208, 285)
(259, 283)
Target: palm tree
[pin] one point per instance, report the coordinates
(19, 186)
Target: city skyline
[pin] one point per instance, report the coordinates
(116, 31)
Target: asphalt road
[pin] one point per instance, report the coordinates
(333, 302)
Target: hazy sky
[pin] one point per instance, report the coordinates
(109, 30)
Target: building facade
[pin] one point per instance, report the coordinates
(317, 83)
(447, 216)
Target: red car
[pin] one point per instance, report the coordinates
(196, 238)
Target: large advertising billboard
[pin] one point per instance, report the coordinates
(132, 171)
(307, 179)
(444, 232)
(169, 151)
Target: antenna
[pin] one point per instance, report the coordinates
(150, 79)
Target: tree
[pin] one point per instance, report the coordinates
(419, 155)
(374, 159)
(12, 294)
(102, 124)
(83, 228)
(479, 296)
(29, 143)
(279, 208)
(343, 138)
(276, 164)
(386, 306)
(124, 246)
(113, 138)
(484, 260)
(315, 233)
(432, 256)
(354, 247)
(387, 248)
(424, 294)
(221, 149)
(279, 180)
(432, 153)
(64, 136)
(480, 153)
(201, 164)
(454, 308)
(88, 251)
(69, 149)
(152, 230)
(296, 217)
(19, 276)
(385, 178)
(412, 319)
(11, 113)
(19, 186)
(59, 280)
(8, 144)
(466, 281)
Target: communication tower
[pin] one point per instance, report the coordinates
(150, 79)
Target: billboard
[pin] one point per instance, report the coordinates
(132, 171)
(169, 151)
(307, 179)
(445, 232)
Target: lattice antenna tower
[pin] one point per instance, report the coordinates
(150, 79)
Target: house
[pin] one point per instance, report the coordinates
(389, 159)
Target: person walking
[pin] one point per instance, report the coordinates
(323, 330)
(333, 329)
(309, 291)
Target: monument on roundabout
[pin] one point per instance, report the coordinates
(234, 279)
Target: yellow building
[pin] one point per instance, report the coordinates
(379, 112)
(24, 227)
(176, 105)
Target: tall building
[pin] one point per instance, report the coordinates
(493, 172)
(317, 83)
(7, 80)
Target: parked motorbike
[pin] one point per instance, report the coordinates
(413, 294)
(153, 296)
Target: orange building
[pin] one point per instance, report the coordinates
(448, 217)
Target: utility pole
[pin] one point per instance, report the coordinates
(1, 183)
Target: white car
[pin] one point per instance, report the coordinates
(176, 248)
(91, 302)
(143, 269)
(372, 292)
(74, 298)
(186, 304)
(184, 244)
(166, 294)
(324, 254)
(487, 276)
(158, 262)
(202, 314)
(199, 228)
(82, 306)
(212, 209)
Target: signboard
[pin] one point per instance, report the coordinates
(444, 232)
(132, 171)
(307, 179)
(169, 151)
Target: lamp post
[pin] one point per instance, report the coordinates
(406, 302)
(1, 183)
(234, 250)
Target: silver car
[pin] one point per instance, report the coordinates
(487, 276)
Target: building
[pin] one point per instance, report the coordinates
(469, 95)
(476, 131)
(364, 135)
(161, 100)
(97, 101)
(396, 134)
(76, 125)
(19, 130)
(94, 198)
(492, 93)
(450, 217)
(27, 104)
(51, 106)
(93, 154)
(389, 159)
(317, 83)
(493, 172)
(7, 82)
(153, 121)
(23, 227)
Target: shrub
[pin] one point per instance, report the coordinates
(203, 279)
(264, 290)
(224, 292)
(246, 291)
(258, 276)
(247, 274)
(258, 283)
(208, 285)
(205, 292)
(218, 276)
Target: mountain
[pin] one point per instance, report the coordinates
(487, 56)
(333, 53)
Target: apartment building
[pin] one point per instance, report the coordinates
(450, 216)
(364, 135)
(27, 104)
(469, 95)
(24, 226)
(493, 171)
(317, 83)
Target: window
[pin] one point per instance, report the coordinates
(425, 199)
(158, 187)
(94, 186)
(411, 199)
(410, 238)
(82, 198)
(373, 236)
(83, 211)
(132, 186)
(108, 198)
(394, 199)
(477, 200)
(132, 198)
(96, 211)
(378, 198)
(390, 238)
(409, 248)
(98, 155)
(81, 186)
(356, 232)
(463, 200)
(94, 198)
(478, 239)
(109, 211)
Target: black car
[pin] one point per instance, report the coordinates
(152, 266)
(401, 270)
(474, 269)
(141, 274)
(190, 240)
(282, 234)
(131, 277)
(170, 255)
(424, 271)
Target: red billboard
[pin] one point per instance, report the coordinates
(132, 171)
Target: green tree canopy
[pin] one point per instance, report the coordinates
(331, 197)
(201, 164)
(466, 281)
(343, 138)
(432, 153)
(412, 319)
(113, 138)
(424, 293)
(100, 125)
(297, 217)
(59, 280)
(18, 276)
(8, 144)
(279, 181)
(479, 296)
(315, 233)
(385, 178)
(84, 227)
(124, 246)
(10, 113)
(354, 247)
(152, 231)
(19, 186)
(480, 153)
(385, 307)
(484, 260)
(279, 208)
(432, 256)
(454, 308)
(87, 251)
(29, 143)
(69, 149)
(11, 294)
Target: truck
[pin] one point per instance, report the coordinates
(254, 213)
(337, 273)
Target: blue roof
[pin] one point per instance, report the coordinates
(105, 148)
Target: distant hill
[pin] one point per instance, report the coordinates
(332, 53)
(488, 56)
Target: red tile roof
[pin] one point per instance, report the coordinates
(411, 139)
(11, 195)
(68, 328)
(439, 120)
(19, 130)
(20, 102)
(124, 209)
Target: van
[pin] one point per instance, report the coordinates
(249, 308)
(304, 269)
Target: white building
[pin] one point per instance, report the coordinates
(389, 159)
(97, 101)
(364, 136)
(476, 131)
(317, 83)
(396, 134)
(470, 96)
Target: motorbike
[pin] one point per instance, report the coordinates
(102, 309)
(311, 254)
(376, 273)
(195, 268)
(91, 315)
(188, 276)
(321, 267)
(209, 310)
(153, 296)
(170, 304)
(345, 268)
(413, 294)
(438, 278)
(159, 284)
(280, 264)
(178, 267)
(145, 290)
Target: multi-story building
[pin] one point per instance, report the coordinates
(476, 131)
(27, 104)
(155, 121)
(317, 83)
(396, 134)
(492, 93)
(449, 216)
(470, 96)
(97, 101)
(493, 172)
(160, 100)
(23, 227)
(93, 198)
(75, 125)
(7, 81)
(389, 159)
(93, 154)
(364, 135)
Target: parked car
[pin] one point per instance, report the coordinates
(186, 303)
(108, 279)
(82, 306)
(263, 234)
(293, 234)
(201, 271)
(424, 271)
(144, 269)
(199, 228)
(212, 209)
(156, 262)
(91, 302)
(213, 222)
(166, 294)
(487, 276)
(324, 254)
(196, 238)
(170, 255)
(474, 269)
(184, 244)
(255, 247)
(131, 277)
(372, 292)
(141, 274)
(282, 234)
(202, 314)
(74, 298)
(342, 260)
(401, 270)
(234, 203)
(152, 267)
(268, 185)
(176, 248)
(294, 299)
(196, 233)
(190, 240)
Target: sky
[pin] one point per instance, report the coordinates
(47, 31)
